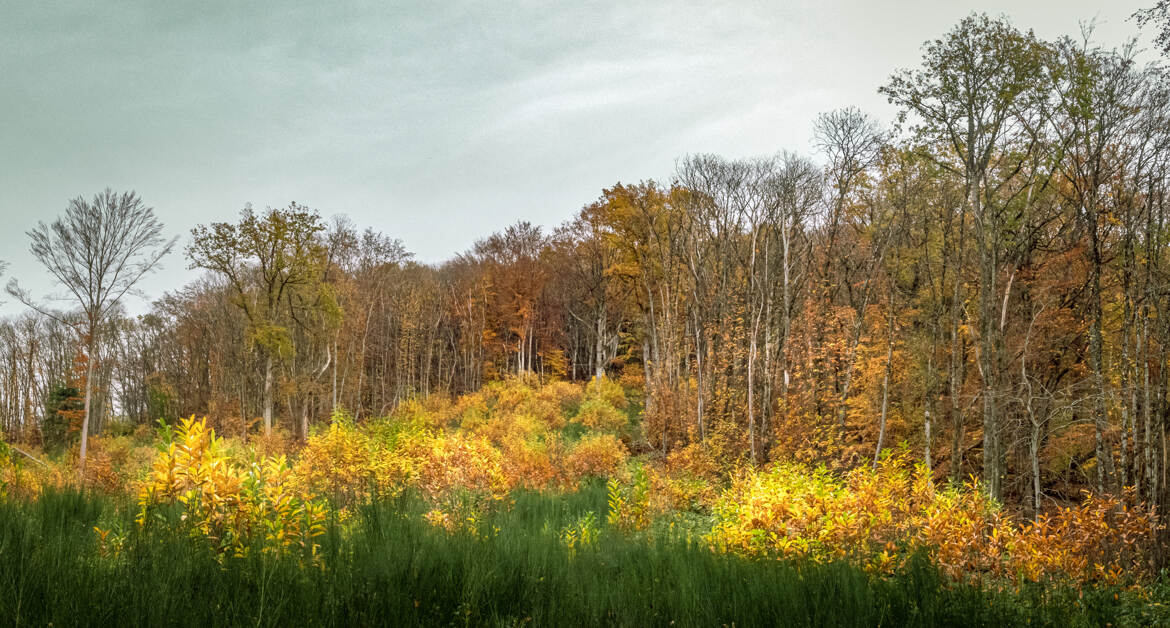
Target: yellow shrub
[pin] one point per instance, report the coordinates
(681, 490)
(512, 392)
(277, 443)
(607, 390)
(629, 503)
(472, 410)
(564, 395)
(229, 505)
(339, 462)
(114, 462)
(531, 464)
(597, 455)
(447, 463)
(507, 427)
(694, 460)
(878, 518)
(16, 479)
(1102, 539)
(598, 414)
(633, 377)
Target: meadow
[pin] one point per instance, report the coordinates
(529, 504)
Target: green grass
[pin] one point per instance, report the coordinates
(392, 568)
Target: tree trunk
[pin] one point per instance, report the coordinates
(599, 347)
(1104, 452)
(268, 394)
(886, 386)
(88, 406)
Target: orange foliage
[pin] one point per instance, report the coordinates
(880, 517)
(598, 455)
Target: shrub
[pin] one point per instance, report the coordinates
(446, 464)
(607, 390)
(596, 455)
(530, 464)
(629, 504)
(339, 461)
(195, 486)
(880, 518)
(598, 414)
(565, 395)
(15, 480)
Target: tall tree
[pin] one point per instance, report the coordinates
(965, 99)
(98, 251)
(265, 258)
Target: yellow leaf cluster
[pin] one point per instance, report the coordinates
(880, 517)
(232, 506)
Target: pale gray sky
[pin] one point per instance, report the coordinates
(435, 122)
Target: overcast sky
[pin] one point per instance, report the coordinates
(434, 122)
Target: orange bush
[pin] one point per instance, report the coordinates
(531, 465)
(880, 517)
(448, 463)
(564, 395)
(597, 455)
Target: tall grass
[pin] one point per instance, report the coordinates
(390, 567)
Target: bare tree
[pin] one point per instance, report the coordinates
(98, 250)
(852, 141)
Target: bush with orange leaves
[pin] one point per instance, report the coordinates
(193, 484)
(445, 464)
(1102, 539)
(564, 395)
(114, 462)
(532, 463)
(596, 455)
(689, 481)
(881, 517)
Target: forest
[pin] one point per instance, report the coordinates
(927, 363)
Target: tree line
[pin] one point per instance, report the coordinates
(984, 282)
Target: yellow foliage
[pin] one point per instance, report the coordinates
(230, 505)
(531, 464)
(114, 462)
(596, 455)
(598, 414)
(340, 462)
(16, 480)
(629, 503)
(564, 395)
(580, 534)
(453, 462)
(607, 390)
(880, 517)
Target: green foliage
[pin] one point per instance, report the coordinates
(629, 504)
(160, 402)
(388, 565)
(62, 406)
